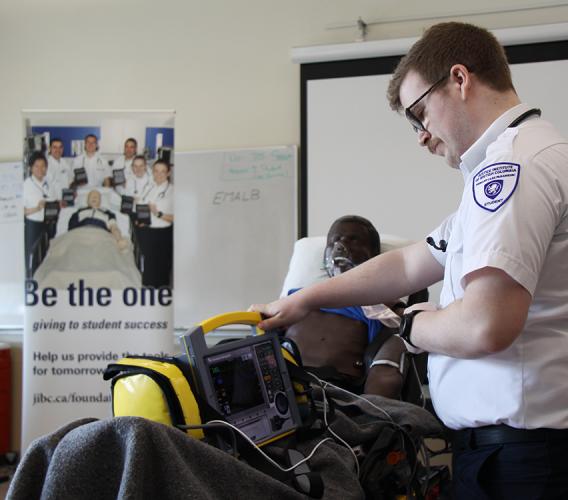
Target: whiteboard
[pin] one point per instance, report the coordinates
(12, 247)
(234, 230)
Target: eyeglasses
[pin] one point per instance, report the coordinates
(416, 123)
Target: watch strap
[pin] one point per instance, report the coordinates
(406, 326)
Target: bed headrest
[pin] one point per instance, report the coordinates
(306, 264)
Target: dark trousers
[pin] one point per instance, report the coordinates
(34, 231)
(156, 245)
(512, 470)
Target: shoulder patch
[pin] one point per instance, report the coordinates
(494, 185)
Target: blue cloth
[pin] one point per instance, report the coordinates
(354, 312)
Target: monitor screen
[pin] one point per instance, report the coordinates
(236, 383)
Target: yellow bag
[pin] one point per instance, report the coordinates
(154, 388)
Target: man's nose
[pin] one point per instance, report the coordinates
(424, 137)
(339, 247)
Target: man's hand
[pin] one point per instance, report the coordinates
(283, 312)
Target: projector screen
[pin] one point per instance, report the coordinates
(364, 159)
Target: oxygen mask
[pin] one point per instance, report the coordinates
(338, 259)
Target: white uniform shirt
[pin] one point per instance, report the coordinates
(59, 175)
(122, 163)
(138, 186)
(513, 216)
(163, 197)
(34, 191)
(96, 166)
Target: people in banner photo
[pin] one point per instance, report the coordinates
(124, 162)
(139, 182)
(37, 231)
(84, 187)
(97, 169)
(154, 231)
(59, 172)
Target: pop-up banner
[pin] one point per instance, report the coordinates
(98, 253)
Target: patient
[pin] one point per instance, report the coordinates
(337, 339)
(94, 215)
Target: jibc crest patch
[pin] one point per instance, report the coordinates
(494, 185)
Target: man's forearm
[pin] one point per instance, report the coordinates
(382, 279)
(487, 320)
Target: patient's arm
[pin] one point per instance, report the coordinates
(115, 231)
(386, 378)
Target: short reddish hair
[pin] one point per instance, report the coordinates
(445, 44)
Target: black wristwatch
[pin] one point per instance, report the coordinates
(159, 215)
(406, 326)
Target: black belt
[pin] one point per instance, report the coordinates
(503, 434)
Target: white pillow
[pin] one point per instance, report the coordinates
(306, 265)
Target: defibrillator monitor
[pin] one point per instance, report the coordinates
(80, 175)
(68, 196)
(127, 204)
(118, 177)
(247, 382)
(51, 211)
(143, 214)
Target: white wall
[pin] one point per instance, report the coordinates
(224, 65)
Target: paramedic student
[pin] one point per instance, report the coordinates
(140, 182)
(97, 168)
(124, 162)
(59, 174)
(156, 240)
(499, 342)
(36, 191)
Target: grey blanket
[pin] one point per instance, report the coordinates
(134, 458)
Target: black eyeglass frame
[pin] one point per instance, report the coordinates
(416, 123)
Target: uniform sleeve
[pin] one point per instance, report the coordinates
(512, 231)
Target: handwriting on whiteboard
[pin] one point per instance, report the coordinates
(256, 165)
(11, 185)
(221, 197)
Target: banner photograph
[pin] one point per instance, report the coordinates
(98, 249)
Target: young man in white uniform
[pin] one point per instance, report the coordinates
(124, 162)
(36, 192)
(97, 168)
(59, 174)
(499, 342)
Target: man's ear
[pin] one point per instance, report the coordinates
(462, 78)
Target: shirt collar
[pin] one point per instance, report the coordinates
(476, 152)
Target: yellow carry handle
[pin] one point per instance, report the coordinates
(232, 318)
(238, 318)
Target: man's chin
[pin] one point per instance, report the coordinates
(452, 160)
